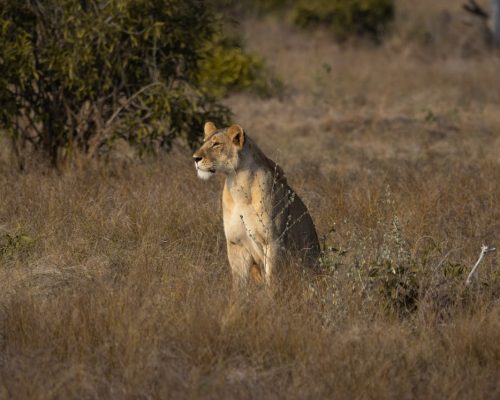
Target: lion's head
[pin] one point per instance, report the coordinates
(219, 151)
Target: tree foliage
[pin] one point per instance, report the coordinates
(77, 74)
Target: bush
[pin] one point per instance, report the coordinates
(229, 68)
(76, 75)
(15, 242)
(345, 17)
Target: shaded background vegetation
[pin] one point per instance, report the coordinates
(114, 278)
(76, 76)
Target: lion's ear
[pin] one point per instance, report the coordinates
(237, 135)
(208, 129)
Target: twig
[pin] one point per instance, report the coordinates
(475, 9)
(484, 249)
(129, 100)
(443, 259)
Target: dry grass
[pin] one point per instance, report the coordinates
(122, 292)
(114, 279)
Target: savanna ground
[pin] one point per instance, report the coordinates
(114, 279)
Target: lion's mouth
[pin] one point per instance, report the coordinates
(198, 168)
(211, 170)
(205, 173)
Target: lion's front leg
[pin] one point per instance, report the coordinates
(271, 260)
(240, 261)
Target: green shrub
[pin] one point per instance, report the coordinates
(15, 242)
(345, 17)
(76, 75)
(242, 7)
(228, 67)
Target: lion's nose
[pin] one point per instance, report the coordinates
(197, 159)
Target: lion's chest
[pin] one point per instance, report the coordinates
(241, 228)
(234, 224)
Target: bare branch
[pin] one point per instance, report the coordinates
(475, 9)
(129, 100)
(484, 249)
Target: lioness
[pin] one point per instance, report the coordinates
(264, 219)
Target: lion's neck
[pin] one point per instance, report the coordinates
(251, 160)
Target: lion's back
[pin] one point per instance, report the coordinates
(302, 237)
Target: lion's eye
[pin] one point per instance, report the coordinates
(217, 144)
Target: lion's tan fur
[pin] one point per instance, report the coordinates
(264, 219)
